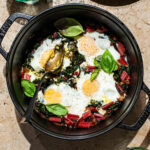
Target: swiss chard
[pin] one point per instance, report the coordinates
(29, 87)
(69, 27)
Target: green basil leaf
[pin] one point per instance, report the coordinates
(137, 148)
(108, 63)
(29, 87)
(57, 109)
(96, 62)
(94, 74)
(69, 27)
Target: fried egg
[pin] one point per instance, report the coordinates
(43, 53)
(101, 89)
(57, 94)
(65, 95)
(93, 44)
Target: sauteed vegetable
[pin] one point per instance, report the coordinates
(92, 82)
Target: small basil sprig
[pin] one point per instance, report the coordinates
(69, 27)
(57, 109)
(29, 87)
(108, 63)
(96, 71)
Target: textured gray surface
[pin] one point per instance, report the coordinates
(14, 136)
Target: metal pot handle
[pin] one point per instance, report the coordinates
(144, 115)
(6, 26)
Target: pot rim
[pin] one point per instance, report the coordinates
(136, 92)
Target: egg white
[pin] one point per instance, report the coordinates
(102, 42)
(71, 98)
(106, 88)
(46, 45)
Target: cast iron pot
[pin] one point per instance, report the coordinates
(41, 24)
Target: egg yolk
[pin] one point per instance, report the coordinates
(106, 100)
(87, 45)
(51, 96)
(89, 88)
(46, 56)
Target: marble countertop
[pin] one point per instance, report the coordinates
(15, 136)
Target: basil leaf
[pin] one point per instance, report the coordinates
(94, 74)
(96, 71)
(57, 109)
(137, 148)
(97, 63)
(69, 27)
(108, 63)
(29, 87)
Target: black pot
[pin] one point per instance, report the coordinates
(41, 24)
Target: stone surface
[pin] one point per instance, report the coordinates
(13, 136)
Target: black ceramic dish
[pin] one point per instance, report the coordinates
(40, 24)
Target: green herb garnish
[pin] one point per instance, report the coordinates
(69, 27)
(96, 71)
(94, 74)
(57, 109)
(29, 87)
(108, 63)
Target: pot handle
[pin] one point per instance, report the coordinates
(6, 26)
(144, 115)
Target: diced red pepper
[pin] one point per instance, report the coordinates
(89, 29)
(87, 114)
(119, 87)
(72, 117)
(107, 105)
(84, 124)
(76, 73)
(101, 118)
(122, 61)
(121, 48)
(93, 109)
(98, 115)
(124, 75)
(68, 121)
(26, 76)
(55, 119)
